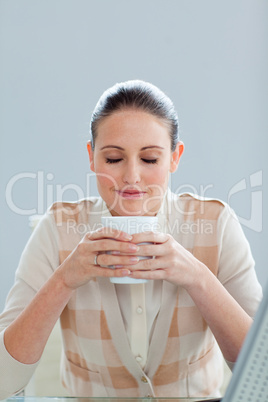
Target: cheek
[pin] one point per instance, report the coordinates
(105, 175)
(158, 175)
(106, 180)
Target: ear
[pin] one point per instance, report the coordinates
(175, 156)
(91, 155)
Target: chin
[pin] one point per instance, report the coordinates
(133, 207)
(136, 210)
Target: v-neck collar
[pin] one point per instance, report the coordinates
(163, 321)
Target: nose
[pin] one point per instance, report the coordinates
(131, 173)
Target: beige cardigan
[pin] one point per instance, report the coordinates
(183, 358)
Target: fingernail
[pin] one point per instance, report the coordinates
(115, 252)
(118, 266)
(127, 236)
(126, 272)
(133, 247)
(134, 259)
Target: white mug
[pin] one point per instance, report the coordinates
(130, 225)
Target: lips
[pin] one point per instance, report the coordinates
(131, 194)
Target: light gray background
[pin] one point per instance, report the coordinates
(58, 56)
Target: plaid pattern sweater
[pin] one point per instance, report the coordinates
(183, 358)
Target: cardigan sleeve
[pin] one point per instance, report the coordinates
(236, 264)
(38, 262)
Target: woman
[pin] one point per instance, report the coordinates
(153, 339)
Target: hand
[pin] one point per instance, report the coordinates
(79, 267)
(171, 261)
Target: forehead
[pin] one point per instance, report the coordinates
(133, 127)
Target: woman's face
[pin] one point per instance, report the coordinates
(132, 160)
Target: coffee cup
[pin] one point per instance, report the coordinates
(130, 225)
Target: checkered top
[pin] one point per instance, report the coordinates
(183, 359)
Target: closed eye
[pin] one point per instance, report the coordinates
(149, 160)
(108, 160)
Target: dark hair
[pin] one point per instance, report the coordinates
(136, 94)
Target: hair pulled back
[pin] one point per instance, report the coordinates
(136, 95)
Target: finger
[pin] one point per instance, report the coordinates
(156, 274)
(152, 237)
(151, 250)
(103, 245)
(148, 264)
(110, 273)
(106, 232)
(117, 261)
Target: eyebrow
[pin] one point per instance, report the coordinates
(122, 149)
